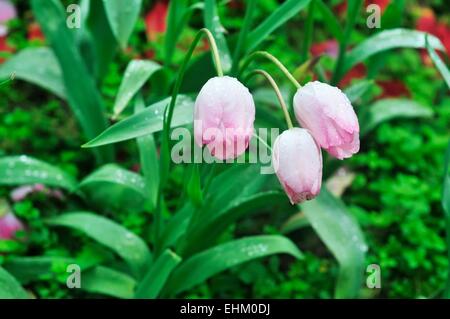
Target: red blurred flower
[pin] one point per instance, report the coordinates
(341, 8)
(357, 72)
(35, 32)
(4, 47)
(155, 20)
(427, 22)
(328, 47)
(381, 3)
(393, 88)
(236, 4)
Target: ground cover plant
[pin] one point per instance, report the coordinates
(137, 158)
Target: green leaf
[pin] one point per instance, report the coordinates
(343, 237)
(208, 263)
(10, 288)
(146, 122)
(438, 62)
(156, 277)
(136, 74)
(212, 22)
(29, 269)
(83, 97)
(353, 11)
(115, 188)
(103, 40)
(332, 23)
(446, 207)
(280, 16)
(38, 66)
(148, 154)
(108, 233)
(193, 186)
(388, 40)
(176, 226)
(214, 223)
(357, 90)
(107, 281)
(177, 16)
(122, 17)
(388, 109)
(19, 170)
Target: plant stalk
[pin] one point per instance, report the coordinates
(274, 60)
(277, 92)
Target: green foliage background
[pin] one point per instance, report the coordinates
(396, 195)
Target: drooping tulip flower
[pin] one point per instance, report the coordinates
(297, 160)
(328, 114)
(223, 117)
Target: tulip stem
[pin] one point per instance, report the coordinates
(274, 60)
(165, 152)
(277, 92)
(214, 50)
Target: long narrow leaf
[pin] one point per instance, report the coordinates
(136, 74)
(115, 188)
(105, 44)
(212, 22)
(83, 96)
(440, 65)
(176, 19)
(280, 16)
(388, 40)
(9, 287)
(122, 17)
(208, 263)
(123, 242)
(446, 207)
(146, 122)
(19, 170)
(107, 281)
(388, 109)
(38, 66)
(148, 155)
(342, 235)
(156, 277)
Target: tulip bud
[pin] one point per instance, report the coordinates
(9, 225)
(7, 12)
(328, 114)
(223, 117)
(297, 160)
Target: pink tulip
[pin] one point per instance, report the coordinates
(9, 225)
(223, 117)
(328, 114)
(7, 12)
(297, 160)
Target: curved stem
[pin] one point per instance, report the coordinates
(277, 92)
(214, 50)
(179, 80)
(274, 60)
(168, 115)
